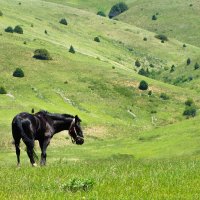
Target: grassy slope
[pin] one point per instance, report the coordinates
(102, 97)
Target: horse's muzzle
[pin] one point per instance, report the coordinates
(79, 141)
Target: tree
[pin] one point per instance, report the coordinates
(18, 73)
(71, 49)
(2, 90)
(117, 9)
(101, 13)
(172, 68)
(188, 61)
(161, 37)
(137, 63)
(154, 17)
(9, 29)
(96, 39)
(63, 21)
(190, 109)
(189, 102)
(196, 66)
(18, 29)
(143, 85)
(42, 54)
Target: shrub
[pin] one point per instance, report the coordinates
(117, 9)
(164, 96)
(196, 66)
(42, 54)
(18, 29)
(45, 32)
(137, 63)
(145, 39)
(144, 72)
(2, 90)
(9, 29)
(18, 73)
(63, 21)
(154, 17)
(161, 37)
(71, 49)
(190, 111)
(184, 45)
(188, 61)
(96, 39)
(1, 13)
(101, 13)
(172, 68)
(189, 102)
(75, 185)
(143, 85)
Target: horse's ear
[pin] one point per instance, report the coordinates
(77, 119)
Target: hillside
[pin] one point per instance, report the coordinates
(121, 123)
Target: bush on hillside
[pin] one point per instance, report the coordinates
(189, 102)
(196, 66)
(137, 63)
(161, 37)
(101, 13)
(190, 111)
(164, 96)
(2, 90)
(96, 39)
(144, 72)
(172, 68)
(18, 73)
(188, 61)
(42, 54)
(71, 49)
(1, 13)
(143, 85)
(117, 9)
(63, 21)
(9, 29)
(18, 29)
(154, 17)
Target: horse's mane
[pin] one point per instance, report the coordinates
(55, 116)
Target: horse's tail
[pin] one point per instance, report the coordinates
(18, 128)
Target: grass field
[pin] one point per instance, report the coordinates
(137, 146)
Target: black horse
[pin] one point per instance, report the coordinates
(42, 126)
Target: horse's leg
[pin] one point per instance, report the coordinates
(30, 152)
(43, 145)
(17, 151)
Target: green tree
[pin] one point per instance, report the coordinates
(18, 29)
(18, 73)
(143, 85)
(71, 49)
(101, 13)
(2, 90)
(63, 21)
(9, 29)
(42, 54)
(117, 9)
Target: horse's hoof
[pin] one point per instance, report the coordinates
(34, 165)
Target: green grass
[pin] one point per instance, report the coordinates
(160, 179)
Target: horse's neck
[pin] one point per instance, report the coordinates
(61, 125)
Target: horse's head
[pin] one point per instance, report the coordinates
(75, 131)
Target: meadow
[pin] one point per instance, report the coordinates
(137, 144)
